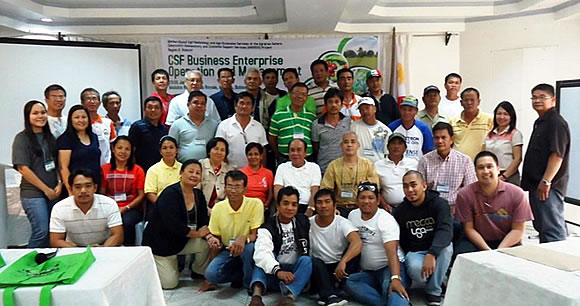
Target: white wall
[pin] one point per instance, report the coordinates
(430, 60)
(505, 59)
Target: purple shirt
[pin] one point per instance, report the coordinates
(492, 216)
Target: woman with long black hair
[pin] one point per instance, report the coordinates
(34, 155)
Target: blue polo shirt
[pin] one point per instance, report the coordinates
(191, 138)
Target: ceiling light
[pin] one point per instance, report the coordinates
(46, 19)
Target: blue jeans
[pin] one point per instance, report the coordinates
(225, 268)
(130, 219)
(549, 216)
(372, 287)
(302, 269)
(38, 213)
(414, 263)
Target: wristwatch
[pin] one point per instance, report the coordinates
(248, 240)
(546, 182)
(395, 277)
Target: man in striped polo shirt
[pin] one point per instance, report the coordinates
(320, 86)
(292, 122)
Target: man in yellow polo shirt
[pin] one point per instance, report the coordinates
(233, 228)
(472, 124)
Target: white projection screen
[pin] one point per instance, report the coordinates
(568, 104)
(29, 66)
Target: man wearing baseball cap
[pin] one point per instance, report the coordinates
(372, 134)
(391, 171)
(430, 114)
(417, 134)
(387, 107)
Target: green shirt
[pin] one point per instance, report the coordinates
(286, 125)
(283, 102)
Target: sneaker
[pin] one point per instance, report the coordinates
(334, 300)
(256, 301)
(433, 300)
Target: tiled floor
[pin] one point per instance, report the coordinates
(187, 293)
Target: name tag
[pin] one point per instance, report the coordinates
(120, 197)
(442, 188)
(369, 152)
(192, 226)
(199, 142)
(49, 165)
(299, 135)
(232, 241)
(347, 194)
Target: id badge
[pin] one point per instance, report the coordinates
(49, 165)
(298, 135)
(192, 226)
(369, 152)
(199, 142)
(120, 197)
(232, 241)
(442, 188)
(347, 194)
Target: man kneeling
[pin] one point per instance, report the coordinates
(85, 218)
(426, 232)
(281, 251)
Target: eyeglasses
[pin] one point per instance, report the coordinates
(235, 187)
(540, 98)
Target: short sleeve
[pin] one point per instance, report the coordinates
(329, 177)
(315, 137)
(422, 167)
(316, 175)
(20, 151)
(517, 138)
(220, 132)
(560, 139)
(463, 208)
(372, 175)
(522, 211)
(174, 131)
(151, 181)
(279, 178)
(139, 177)
(56, 222)
(258, 216)
(114, 218)
(274, 126)
(346, 226)
(133, 131)
(388, 227)
(64, 142)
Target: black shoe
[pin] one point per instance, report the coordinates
(433, 300)
(334, 300)
(196, 276)
(236, 284)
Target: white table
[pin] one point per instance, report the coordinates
(493, 278)
(119, 276)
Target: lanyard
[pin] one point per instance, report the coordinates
(124, 183)
(342, 175)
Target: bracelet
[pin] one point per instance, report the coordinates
(395, 277)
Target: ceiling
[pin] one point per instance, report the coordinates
(86, 17)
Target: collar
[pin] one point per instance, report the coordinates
(300, 168)
(99, 119)
(250, 170)
(292, 111)
(452, 152)
(191, 121)
(231, 210)
(495, 131)
(474, 119)
(501, 187)
(176, 164)
(322, 120)
(548, 114)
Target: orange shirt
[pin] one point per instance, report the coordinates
(259, 182)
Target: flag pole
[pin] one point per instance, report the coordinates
(393, 62)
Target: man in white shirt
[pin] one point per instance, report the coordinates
(241, 129)
(372, 134)
(178, 106)
(299, 173)
(55, 98)
(450, 105)
(380, 256)
(104, 128)
(85, 218)
(391, 171)
(335, 245)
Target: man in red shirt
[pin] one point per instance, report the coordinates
(160, 79)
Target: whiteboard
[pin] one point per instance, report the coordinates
(569, 107)
(29, 66)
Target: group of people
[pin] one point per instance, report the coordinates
(274, 189)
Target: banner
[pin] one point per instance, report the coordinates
(208, 55)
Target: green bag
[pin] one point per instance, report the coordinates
(25, 272)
